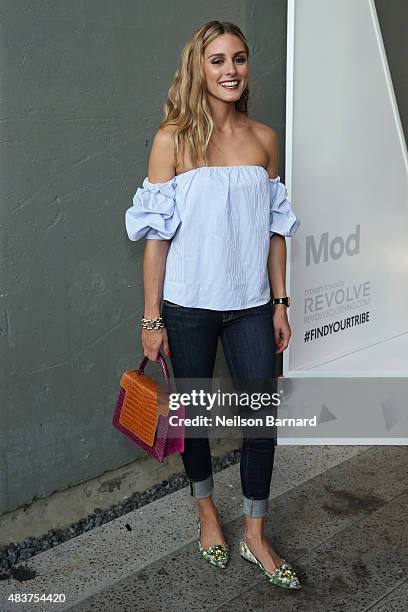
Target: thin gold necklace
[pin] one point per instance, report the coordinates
(217, 147)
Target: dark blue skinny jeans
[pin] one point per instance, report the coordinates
(248, 342)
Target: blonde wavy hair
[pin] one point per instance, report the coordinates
(186, 105)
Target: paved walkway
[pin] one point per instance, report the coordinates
(338, 514)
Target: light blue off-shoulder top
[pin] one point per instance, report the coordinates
(220, 220)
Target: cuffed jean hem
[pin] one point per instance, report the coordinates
(202, 488)
(255, 507)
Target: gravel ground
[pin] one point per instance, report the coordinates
(21, 551)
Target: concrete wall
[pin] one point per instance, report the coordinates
(82, 85)
(393, 17)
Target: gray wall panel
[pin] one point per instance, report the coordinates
(393, 19)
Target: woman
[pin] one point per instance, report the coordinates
(215, 217)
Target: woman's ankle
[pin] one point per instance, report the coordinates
(206, 508)
(254, 526)
(254, 529)
(254, 537)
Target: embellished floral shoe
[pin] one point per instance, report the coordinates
(217, 554)
(283, 575)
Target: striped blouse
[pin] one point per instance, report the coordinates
(219, 220)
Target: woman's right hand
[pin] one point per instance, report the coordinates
(152, 339)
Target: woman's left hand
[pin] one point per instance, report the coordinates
(282, 327)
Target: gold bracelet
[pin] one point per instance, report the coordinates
(152, 323)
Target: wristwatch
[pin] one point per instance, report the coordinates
(284, 300)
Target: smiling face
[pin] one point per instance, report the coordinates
(226, 68)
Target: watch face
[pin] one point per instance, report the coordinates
(285, 300)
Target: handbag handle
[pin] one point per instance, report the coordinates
(140, 369)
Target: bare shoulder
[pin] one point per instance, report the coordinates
(264, 132)
(269, 140)
(161, 161)
(163, 140)
(166, 133)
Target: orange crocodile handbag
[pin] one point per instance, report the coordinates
(142, 413)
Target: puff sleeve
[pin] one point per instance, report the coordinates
(283, 219)
(154, 213)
